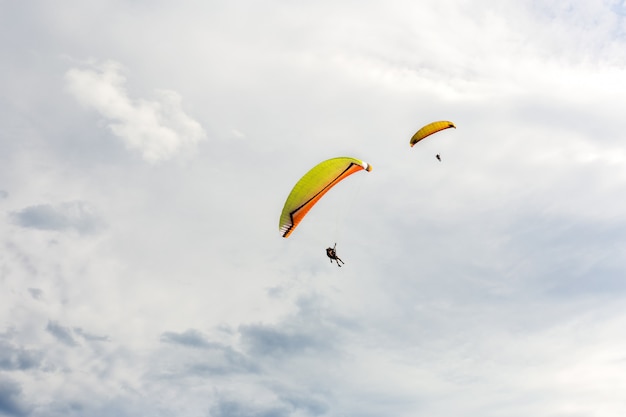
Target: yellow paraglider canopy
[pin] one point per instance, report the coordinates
(312, 186)
(429, 129)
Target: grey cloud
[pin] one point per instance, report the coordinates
(11, 403)
(227, 361)
(313, 329)
(117, 406)
(90, 337)
(231, 408)
(239, 362)
(287, 402)
(270, 340)
(305, 402)
(190, 338)
(62, 334)
(3, 194)
(76, 215)
(36, 293)
(232, 362)
(14, 358)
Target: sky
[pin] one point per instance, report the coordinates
(147, 149)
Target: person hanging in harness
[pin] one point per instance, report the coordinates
(438, 157)
(332, 254)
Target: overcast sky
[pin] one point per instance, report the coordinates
(147, 149)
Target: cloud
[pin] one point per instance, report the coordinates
(157, 128)
(212, 359)
(282, 402)
(13, 358)
(313, 329)
(10, 399)
(231, 408)
(68, 336)
(305, 401)
(190, 338)
(270, 340)
(89, 336)
(3, 194)
(36, 293)
(75, 215)
(62, 334)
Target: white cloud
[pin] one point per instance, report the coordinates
(157, 128)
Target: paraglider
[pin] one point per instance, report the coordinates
(438, 157)
(429, 129)
(312, 187)
(332, 254)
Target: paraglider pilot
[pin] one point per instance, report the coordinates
(438, 157)
(332, 254)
